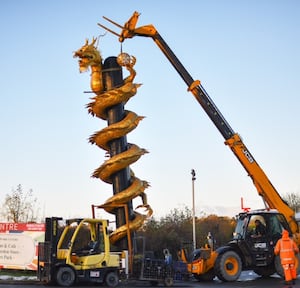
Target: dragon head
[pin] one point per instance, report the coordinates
(89, 55)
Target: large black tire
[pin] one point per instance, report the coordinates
(278, 267)
(228, 266)
(112, 279)
(297, 263)
(65, 276)
(208, 276)
(265, 271)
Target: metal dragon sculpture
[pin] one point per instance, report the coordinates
(90, 57)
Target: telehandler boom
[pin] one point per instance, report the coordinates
(244, 251)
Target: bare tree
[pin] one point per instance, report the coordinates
(19, 206)
(293, 200)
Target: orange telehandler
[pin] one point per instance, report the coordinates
(244, 251)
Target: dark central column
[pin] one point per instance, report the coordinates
(113, 78)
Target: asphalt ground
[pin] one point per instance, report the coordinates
(248, 279)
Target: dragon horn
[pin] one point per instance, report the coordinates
(94, 41)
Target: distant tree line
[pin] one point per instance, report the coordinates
(174, 231)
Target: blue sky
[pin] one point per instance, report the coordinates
(246, 54)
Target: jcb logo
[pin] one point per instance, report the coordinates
(248, 156)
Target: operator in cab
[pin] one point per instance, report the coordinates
(260, 229)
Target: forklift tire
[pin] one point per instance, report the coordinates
(168, 282)
(228, 266)
(112, 279)
(65, 276)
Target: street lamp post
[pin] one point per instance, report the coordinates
(193, 209)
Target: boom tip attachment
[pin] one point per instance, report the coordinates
(128, 30)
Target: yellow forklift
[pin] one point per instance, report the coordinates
(77, 250)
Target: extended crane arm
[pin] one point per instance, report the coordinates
(129, 31)
(263, 185)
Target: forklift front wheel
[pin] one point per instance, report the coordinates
(168, 282)
(65, 276)
(112, 279)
